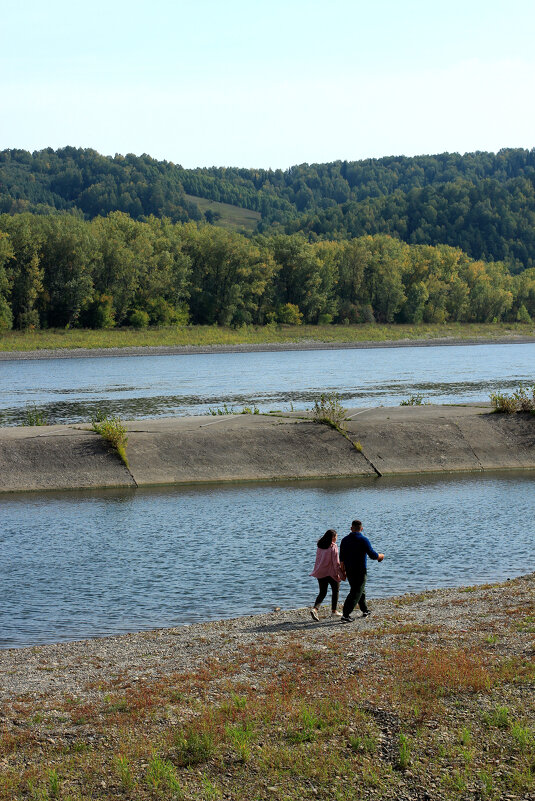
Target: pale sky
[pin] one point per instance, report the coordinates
(269, 83)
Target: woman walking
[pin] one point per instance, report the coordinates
(328, 571)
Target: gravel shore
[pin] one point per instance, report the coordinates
(431, 698)
(71, 668)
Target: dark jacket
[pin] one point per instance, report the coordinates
(353, 551)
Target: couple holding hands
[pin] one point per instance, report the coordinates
(331, 569)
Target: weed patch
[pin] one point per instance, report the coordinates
(522, 400)
(415, 400)
(329, 410)
(34, 417)
(440, 672)
(113, 430)
(193, 747)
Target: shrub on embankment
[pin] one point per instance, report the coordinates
(113, 430)
(522, 400)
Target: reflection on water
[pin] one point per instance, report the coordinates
(78, 565)
(71, 390)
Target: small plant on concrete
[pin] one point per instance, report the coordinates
(522, 400)
(505, 404)
(329, 411)
(114, 431)
(225, 409)
(525, 399)
(221, 410)
(33, 417)
(415, 400)
(99, 416)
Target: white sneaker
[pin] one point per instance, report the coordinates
(314, 614)
(336, 613)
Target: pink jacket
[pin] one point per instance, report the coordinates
(328, 563)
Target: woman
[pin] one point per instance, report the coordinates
(328, 571)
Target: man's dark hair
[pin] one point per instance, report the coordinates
(356, 524)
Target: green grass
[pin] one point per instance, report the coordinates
(303, 730)
(522, 400)
(329, 411)
(59, 339)
(113, 430)
(233, 218)
(34, 417)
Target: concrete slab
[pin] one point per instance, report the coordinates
(57, 457)
(443, 438)
(240, 448)
(412, 447)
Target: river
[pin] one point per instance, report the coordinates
(84, 564)
(71, 390)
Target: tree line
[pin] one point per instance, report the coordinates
(483, 203)
(62, 271)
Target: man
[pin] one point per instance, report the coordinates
(353, 551)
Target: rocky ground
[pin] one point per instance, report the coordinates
(431, 697)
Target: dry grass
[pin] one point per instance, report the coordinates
(172, 336)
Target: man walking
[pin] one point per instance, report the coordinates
(353, 551)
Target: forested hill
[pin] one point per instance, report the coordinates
(481, 202)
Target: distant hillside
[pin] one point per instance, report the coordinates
(76, 179)
(225, 215)
(481, 202)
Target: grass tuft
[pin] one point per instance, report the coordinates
(113, 430)
(329, 410)
(161, 778)
(33, 417)
(193, 747)
(404, 752)
(522, 400)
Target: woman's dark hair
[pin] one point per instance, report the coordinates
(327, 539)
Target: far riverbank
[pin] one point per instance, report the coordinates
(73, 343)
(268, 347)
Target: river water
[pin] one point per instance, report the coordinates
(77, 565)
(71, 390)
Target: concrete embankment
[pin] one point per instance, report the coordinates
(268, 447)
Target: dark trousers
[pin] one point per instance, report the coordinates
(356, 595)
(323, 585)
